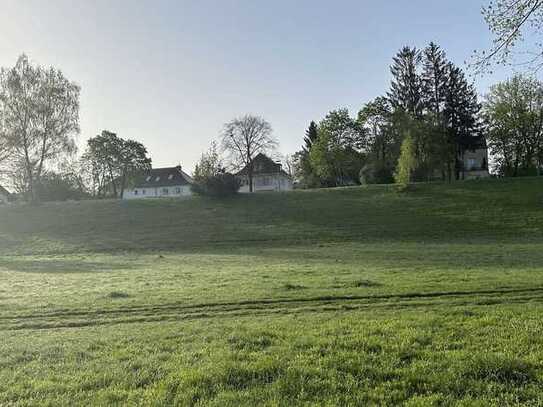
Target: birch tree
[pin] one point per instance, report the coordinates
(39, 110)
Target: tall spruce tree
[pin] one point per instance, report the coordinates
(406, 88)
(461, 114)
(434, 78)
(311, 135)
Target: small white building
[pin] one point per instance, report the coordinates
(4, 196)
(161, 183)
(267, 176)
(473, 158)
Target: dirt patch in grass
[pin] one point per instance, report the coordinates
(117, 295)
(289, 286)
(366, 283)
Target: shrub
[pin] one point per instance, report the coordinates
(60, 187)
(219, 185)
(376, 173)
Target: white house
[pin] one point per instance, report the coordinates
(4, 195)
(473, 158)
(161, 183)
(267, 176)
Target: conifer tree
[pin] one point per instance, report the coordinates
(461, 112)
(434, 78)
(311, 135)
(406, 88)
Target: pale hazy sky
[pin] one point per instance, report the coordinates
(171, 73)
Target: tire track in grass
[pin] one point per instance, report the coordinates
(178, 311)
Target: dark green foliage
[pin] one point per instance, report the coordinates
(112, 162)
(374, 173)
(461, 110)
(336, 156)
(306, 175)
(406, 87)
(61, 187)
(514, 117)
(219, 186)
(437, 106)
(429, 98)
(311, 135)
(382, 141)
(434, 78)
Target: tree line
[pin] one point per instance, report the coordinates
(419, 128)
(413, 132)
(39, 123)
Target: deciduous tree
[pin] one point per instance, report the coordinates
(336, 156)
(511, 21)
(514, 117)
(407, 163)
(209, 165)
(39, 109)
(113, 161)
(244, 138)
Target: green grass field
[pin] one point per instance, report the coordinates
(346, 297)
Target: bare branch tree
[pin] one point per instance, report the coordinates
(244, 138)
(289, 165)
(5, 151)
(509, 21)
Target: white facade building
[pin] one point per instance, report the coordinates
(161, 183)
(267, 176)
(473, 158)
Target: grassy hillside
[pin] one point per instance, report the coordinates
(334, 297)
(471, 211)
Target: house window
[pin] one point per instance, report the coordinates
(177, 190)
(170, 177)
(148, 178)
(157, 179)
(135, 192)
(471, 163)
(165, 191)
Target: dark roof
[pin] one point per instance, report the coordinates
(162, 177)
(4, 191)
(263, 164)
(473, 142)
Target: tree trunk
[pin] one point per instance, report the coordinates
(113, 184)
(123, 183)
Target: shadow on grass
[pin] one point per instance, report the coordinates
(62, 266)
(462, 212)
